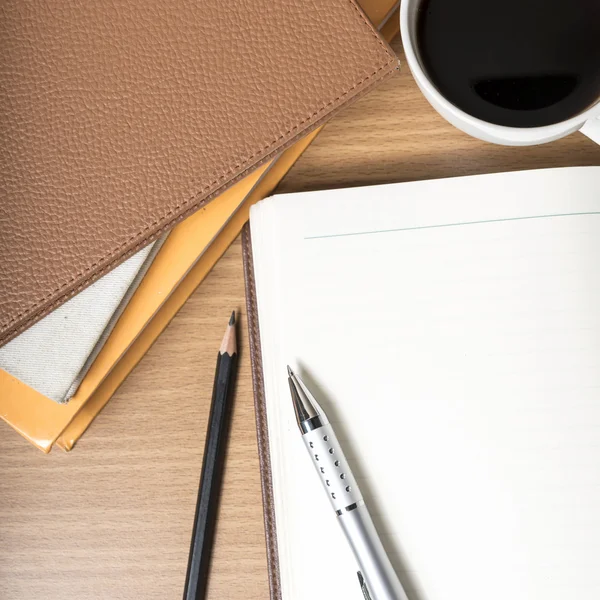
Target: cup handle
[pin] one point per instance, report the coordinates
(591, 128)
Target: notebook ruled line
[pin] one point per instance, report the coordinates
(446, 225)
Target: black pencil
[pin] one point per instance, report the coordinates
(212, 467)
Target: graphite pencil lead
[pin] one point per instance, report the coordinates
(229, 343)
(232, 318)
(290, 372)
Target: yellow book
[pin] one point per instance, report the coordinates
(187, 256)
(184, 290)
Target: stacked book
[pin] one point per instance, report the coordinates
(67, 341)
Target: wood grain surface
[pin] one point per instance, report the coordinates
(112, 519)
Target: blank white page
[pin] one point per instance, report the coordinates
(451, 330)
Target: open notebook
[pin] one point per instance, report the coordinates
(452, 334)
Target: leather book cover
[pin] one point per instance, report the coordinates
(260, 409)
(120, 121)
(383, 13)
(41, 421)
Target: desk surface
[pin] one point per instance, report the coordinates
(112, 519)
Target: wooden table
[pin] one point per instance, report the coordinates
(112, 519)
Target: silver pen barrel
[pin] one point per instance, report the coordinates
(380, 579)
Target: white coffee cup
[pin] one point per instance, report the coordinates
(588, 121)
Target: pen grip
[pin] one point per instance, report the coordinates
(331, 465)
(345, 496)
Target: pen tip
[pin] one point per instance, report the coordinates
(361, 579)
(290, 372)
(232, 318)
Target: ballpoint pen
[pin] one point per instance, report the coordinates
(377, 578)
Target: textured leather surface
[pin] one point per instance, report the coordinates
(118, 120)
(260, 410)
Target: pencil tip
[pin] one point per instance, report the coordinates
(290, 372)
(229, 344)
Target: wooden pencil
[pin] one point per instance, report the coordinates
(212, 467)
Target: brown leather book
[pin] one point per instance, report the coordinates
(260, 409)
(40, 420)
(117, 124)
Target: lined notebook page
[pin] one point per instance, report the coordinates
(451, 330)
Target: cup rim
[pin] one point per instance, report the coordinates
(501, 131)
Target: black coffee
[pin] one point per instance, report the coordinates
(519, 63)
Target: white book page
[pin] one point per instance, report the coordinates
(451, 330)
(53, 355)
